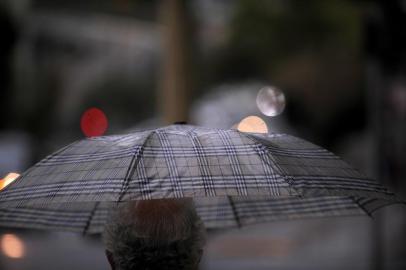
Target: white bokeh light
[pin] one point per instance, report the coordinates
(271, 101)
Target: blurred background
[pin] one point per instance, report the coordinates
(341, 65)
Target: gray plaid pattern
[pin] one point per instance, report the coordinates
(215, 212)
(171, 162)
(189, 161)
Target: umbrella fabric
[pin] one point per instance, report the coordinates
(187, 161)
(216, 213)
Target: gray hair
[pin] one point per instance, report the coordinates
(155, 234)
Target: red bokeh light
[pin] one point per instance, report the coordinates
(93, 122)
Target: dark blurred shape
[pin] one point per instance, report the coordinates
(8, 36)
(385, 46)
(309, 49)
(142, 9)
(386, 35)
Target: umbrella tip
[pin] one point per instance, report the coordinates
(180, 123)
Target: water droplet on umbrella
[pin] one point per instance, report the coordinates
(270, 101)
(93, 122)
(253, 124)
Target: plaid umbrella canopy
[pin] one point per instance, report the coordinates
(235, 178)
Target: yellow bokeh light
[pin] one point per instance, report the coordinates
(8, 180)
(12, 246)
(253, 124)
(235, 126)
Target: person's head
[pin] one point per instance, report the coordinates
(154, 235)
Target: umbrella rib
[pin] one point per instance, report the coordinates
(131, 168)
(90, 218)
(279, 170)
(369, 213)
(237, 219)
(361, 206)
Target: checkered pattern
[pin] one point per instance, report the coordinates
(215, 212)
(314, 171)
(188, 161)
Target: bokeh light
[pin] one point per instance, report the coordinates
(12, 246)
(8, 179)
(93, 122)
(253, 124)
(235, 126)
(271, 101)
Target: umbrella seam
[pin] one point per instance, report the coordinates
(90, 218)
(387, 204)
(233, 159)
(133, 165)
(237, 218)
(362, 207)
(203, 163)
(281, 172)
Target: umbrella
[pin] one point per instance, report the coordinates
(236, 179)
(215, 212)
